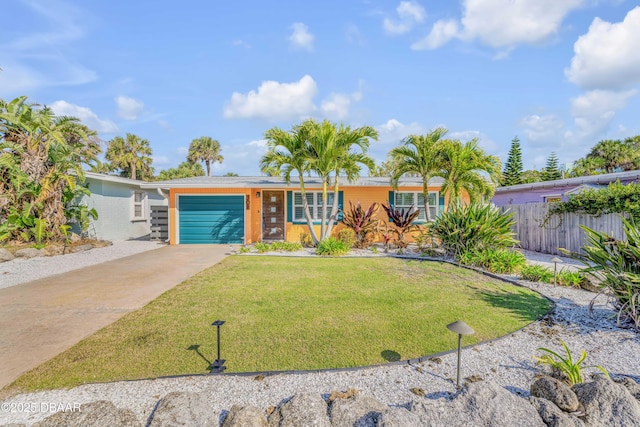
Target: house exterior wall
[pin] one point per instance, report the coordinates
(113, 202)
(536, 195)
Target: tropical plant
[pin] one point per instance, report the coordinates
(536, 273)
(501, 261)
(465, 166)
(572, 278)
(615, 264)
(347, 236)
(41, 157)
(131, 155)
(613, 155)
(616, 198)
(361, 221)
(551, 171)
(531, 175)
(332, 247)
(512, 174)
(402, 220)
(477, 226)
(424, 240)
(566, 367)
(386, 232)
(323, 149)
(184, 170)
(419, 155)
(205, 149)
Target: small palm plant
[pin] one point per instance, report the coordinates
(361, 221)
(403, 222)
(570, 370)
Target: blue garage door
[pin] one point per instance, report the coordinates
(211, 219)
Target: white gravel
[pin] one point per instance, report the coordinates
(21, 270)
(507, 361)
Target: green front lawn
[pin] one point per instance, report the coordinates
(295, 313)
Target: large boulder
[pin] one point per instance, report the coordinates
(358, 411)
(555, 391)
(245, 416)
(95, 414)
(398, 417)
(303, 409)
(607, 404)
(184, 409)
(631, 385)
(5, 255)
(554, 416)
(480, 404)
(28, 253)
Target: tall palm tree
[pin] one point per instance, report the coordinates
(614, 154)
(131, 154)
(421, 155)
(466, 166)
(205, 149)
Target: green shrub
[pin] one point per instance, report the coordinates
(262, 247)
(570, 278)
(244, 250)
(569, 369)
(347, 236)
(501, 261)
(536, 273)
(332, 247)
(361, 222)
(306, 240)
(474, 227)
(425, 241)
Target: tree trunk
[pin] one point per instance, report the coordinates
(334, 208)
(307, 212)
(323, 218)
(208, 163)
(425, 196)
(133, 170)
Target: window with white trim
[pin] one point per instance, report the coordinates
(139, 206)
(314, 199)
(416, 199)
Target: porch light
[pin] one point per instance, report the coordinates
(555, 261)
(460, 328)
(218, 365)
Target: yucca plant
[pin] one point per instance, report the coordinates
(569, 369)
(477, 226)
(402, 221)
(361, 221)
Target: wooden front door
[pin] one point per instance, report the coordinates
(273, 215)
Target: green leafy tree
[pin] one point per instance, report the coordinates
(420, 155)
(551, 171)
(131, 155)
(466, 166)
(184, 170)
(230, 174)
(587, 166)
(531, 175)
(205, 149)
(613, 155)
(512, 174)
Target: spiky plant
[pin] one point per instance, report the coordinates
(361, 221)
(402, 221)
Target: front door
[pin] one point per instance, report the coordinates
(273, 215)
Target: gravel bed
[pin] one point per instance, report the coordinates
(22, 270)
(506, 361)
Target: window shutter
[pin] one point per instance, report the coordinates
(340, 204)
(289, 206)
(392, 201)
(440, 204)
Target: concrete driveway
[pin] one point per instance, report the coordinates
(41, 319)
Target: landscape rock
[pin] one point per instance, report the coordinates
(184, 408)
(398, 417)
(247, 416)
(82, 248)
(554, 416)
(75, 238)
(13, 425)
(358, 411)
(555, 391)
(95, 414)
(5, 255)
(28, 253)
(54, 250)
(631, 385)
(303, 409)
(480, 404)
(608, 404)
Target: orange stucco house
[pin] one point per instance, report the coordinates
(251, 209)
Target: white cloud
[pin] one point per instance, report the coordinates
(86, 116)
(594, 111)
(274, 101)
(241, 43)
(337, 105)
(503, 23)
(354, 36)
(543, 128)
(128, 108)
(607, 56)
(161, 161)
(408, 13)
(301, 38)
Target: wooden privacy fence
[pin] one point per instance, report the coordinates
(560, 231)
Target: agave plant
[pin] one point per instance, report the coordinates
(403, 222)
(361, 221)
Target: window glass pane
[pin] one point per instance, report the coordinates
(433, 199)
(309, 198)
(398, 198)
(422, 216)
(420, 199)
(137, 211)
(404, 199)
(298, 212)
(138, 196)
(297, 198)
(432, 212)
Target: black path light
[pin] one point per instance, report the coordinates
(460, 328)
(218, 365)
(555, 261)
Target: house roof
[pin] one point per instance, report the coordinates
(112, 178)
(278, 182)
(603, 179)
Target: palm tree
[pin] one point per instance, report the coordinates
(205, 149)
(184, 170)
(130, 154)
(466, 166)
(614, 155)
(421, 155)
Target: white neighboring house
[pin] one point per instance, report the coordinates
(123, 207)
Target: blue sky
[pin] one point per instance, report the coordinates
(559, 74)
